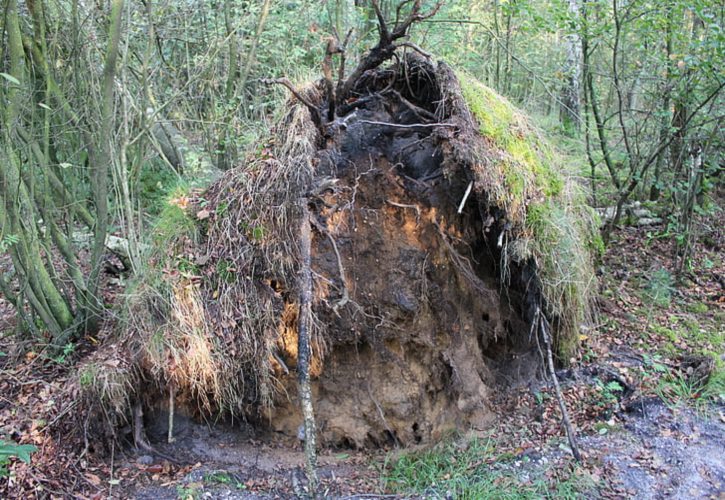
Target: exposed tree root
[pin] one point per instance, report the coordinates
(140, 439)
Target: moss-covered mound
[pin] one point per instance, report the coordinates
(441, 223)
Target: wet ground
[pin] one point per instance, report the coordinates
(655, 452)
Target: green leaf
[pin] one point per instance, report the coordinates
(45, 106)
(21, 451)
(10, 78)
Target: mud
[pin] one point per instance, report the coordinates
(664, 452)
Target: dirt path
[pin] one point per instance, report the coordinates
(655, 452)
(664, 453)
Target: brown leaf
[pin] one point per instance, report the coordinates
(93, 479)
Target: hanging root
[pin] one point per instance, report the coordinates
(140, 440)
(172, 398)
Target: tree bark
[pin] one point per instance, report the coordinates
(100, 156)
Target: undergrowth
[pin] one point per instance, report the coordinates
(474, 470)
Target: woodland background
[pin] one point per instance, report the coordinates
(109, 109)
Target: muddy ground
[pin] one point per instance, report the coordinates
(656, 452)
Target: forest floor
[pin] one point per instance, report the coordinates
(647, 425)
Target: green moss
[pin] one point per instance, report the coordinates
(556, 227)
(698, 308)
(529, 158)
(87, 376)
(560, 248)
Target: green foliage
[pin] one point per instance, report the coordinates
(660, 288)
(7, 241)
(156, 182)
(187, 492)
(474, 470)
(8, 449)
(174, 222)
(610, 393)
(677, 389)
(224, 478)
(65, 354)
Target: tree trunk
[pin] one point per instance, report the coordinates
(570, 114)
(100, 157)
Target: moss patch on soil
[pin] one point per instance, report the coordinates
(557, 228)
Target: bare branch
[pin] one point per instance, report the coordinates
(314, 112)
(399, 9)
(385, 47)
(415, 16)
(382, 25)
(413, 46)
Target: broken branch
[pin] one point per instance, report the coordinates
(543, 322)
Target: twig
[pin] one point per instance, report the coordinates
(285, 82)
(562, 405)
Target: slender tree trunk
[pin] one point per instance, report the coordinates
(594, 105)
(654, 192)
(304, 351)
(100, 156)
(497, 33)
(570, 114)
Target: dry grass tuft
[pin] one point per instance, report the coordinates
(207, 317)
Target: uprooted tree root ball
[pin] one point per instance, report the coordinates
(440, 224)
